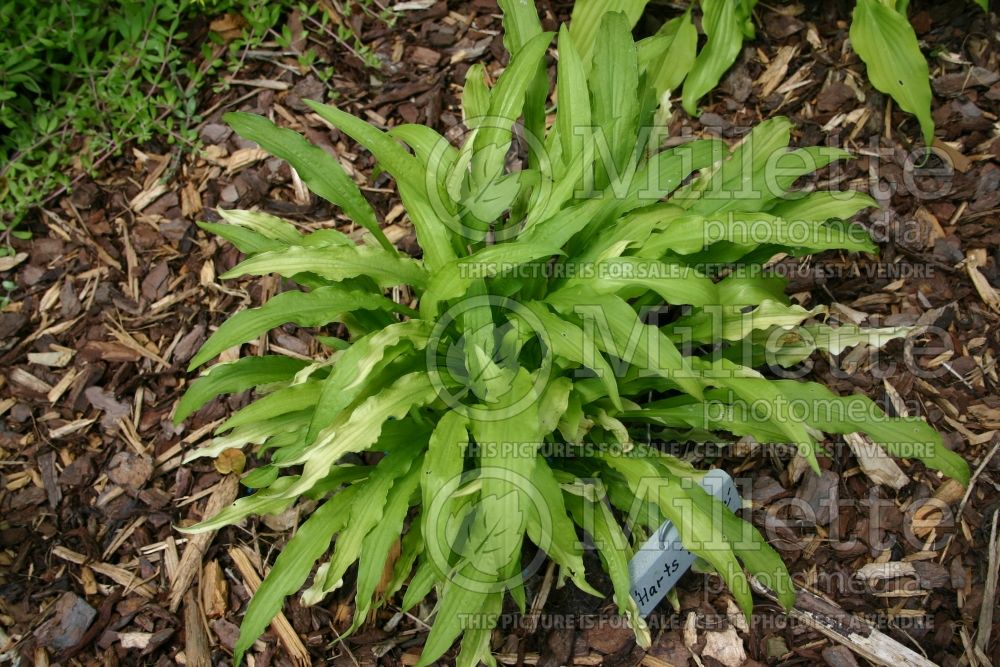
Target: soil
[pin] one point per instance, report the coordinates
(119, 287)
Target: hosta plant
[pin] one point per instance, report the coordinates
(583, 296)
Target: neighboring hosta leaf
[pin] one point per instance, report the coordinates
(886, 42)
(671, 53)
(319, 170)
(722, 21)
(587, 17)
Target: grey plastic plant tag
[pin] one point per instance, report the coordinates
(661, 560)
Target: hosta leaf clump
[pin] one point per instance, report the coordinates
(505, 393)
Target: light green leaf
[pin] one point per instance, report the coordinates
(587, 16)
(441, 475)
(886, 42)
(573, 112)
(282, 401)
(670, 54)
(367, 511)
(615, 96)
(334, 263)
(361, 362)
(722, 21)
(614, 551)
(361, 428)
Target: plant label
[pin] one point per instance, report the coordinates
(661, 560)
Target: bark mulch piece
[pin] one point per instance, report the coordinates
(118, 290)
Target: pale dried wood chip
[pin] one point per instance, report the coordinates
(131, 343)
(776, 71)
(8, 263)
(878, 571)
(269, 84)
(223, 494)
(413, 5)
(138, 640)
(197, 650)
(190, 200)
(876, 464)
(244, 157)
(986, 292)
(148, 196)
(50, 298)
(725, 646)
(280, 626)
(302, 195)
(989, 589)
(852, 631)
(796, 80)
(70, 428)
(54, 359)
(171, 299)
(214, 590)
(64, 383)
(119, 575)
(21, 377)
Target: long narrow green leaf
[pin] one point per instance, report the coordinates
(723, 24)
(573, 112)
(291, 568)
(359, 364)
(670, 53)
(614, 82)
(317, 168)
(587, 16)
(306, 309)
(234, 377)
(335, 263)
(433, 235)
